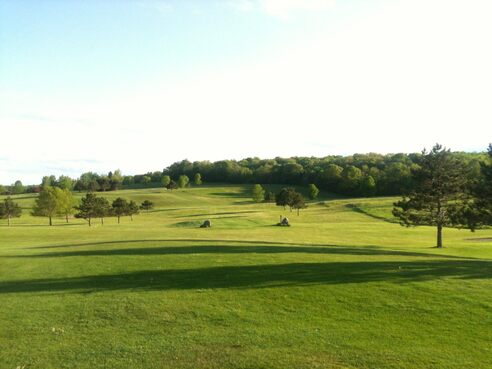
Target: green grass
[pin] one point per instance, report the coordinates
(343, 287)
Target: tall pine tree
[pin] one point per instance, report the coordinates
(439, 195)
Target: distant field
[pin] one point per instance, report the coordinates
(344, 287)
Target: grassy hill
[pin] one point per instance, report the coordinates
(343, 287)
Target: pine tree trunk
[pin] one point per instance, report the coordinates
(297, 211)
(118, 220)
(66, 217)
(89, 222)
(51, 223)
(439, 236)
(131, 217)
(8, 220)
(102, 221)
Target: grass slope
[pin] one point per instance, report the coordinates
(344, 287)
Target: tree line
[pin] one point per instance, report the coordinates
(356, 175)
(53, 201)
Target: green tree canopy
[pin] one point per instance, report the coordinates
(313, 191)
(102, 208)
(183, 181)
(66, 203)
(133, 209)
(439, 194)
(9, 209)
(87, 208)
(165, 180)
(258, 193)
(47, 203)
(146, 205)
(198, 179)
(120, 208)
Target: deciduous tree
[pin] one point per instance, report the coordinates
(313, 191)
(258, 193)
(47, 203)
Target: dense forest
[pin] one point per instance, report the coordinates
(355, 175)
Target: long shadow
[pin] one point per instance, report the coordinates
(358, 209)
(260, 276)
(214, 214)
(226, 249)
(200, 240)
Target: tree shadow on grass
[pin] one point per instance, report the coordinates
(215, 214)
(257, 248)
(260, 276)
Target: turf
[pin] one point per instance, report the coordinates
(343, 287)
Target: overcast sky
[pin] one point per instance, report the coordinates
(137, 85)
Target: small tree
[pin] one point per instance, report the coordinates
(258, 193)
(285, 197)
(87, 208)
(172, 185)
(269, 196)
(47, 203)
(198, 179)
(132, 209)
(313, 191)
(9, 210)
(102, 208)
(120, 208)
(165, 180)
(183, 181)
(439, 194)
(66, 203)
(147, 205)
(298, 202)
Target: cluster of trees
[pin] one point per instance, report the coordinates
(287, 196)
(356, 175)
(92, 206)
(444, 195)
(53, 201)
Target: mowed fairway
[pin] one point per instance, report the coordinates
(343, 287)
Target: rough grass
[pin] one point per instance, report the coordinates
(342, 288)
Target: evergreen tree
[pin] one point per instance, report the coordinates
(258, 193)
(133, 209)
(102, 208)
(87, 208)
(147, 205)
(9, 210)
(120, 208)
(439, 193)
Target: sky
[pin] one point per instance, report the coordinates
(137, 85)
